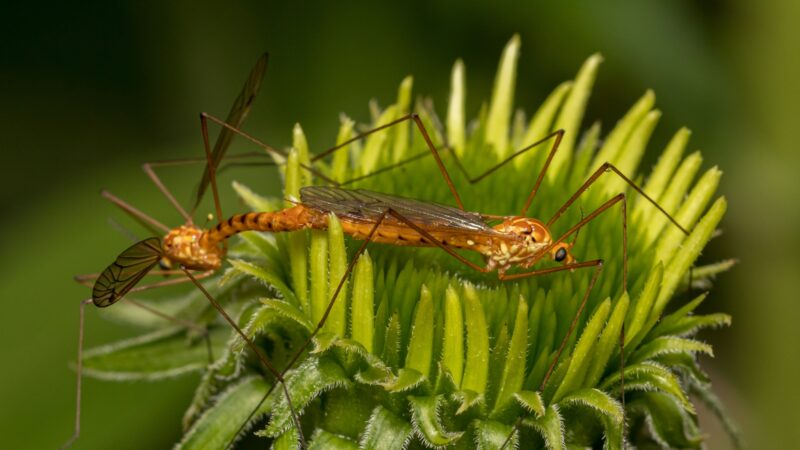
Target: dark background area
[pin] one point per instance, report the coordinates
(89, 92)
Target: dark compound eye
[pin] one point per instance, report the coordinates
(561, 254)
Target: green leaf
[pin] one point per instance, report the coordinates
(339, 165)
(490, 434)
(571, 115)
(337, 320)
(400, 130)
(374, 147)
(287, 310)
(503, 99)
(628, 159)
(668, 423)
(672, 198)
(665, 166)
(300, 144)
(606, 408)
(127, 313)
(362, 310)
(691, 248)
(305, 383)
(467, 399)
(551, 427)
(425, 418)
(220, 423)
(453, 348)
(635, 329)
(406, 380)
(514, 369)
(157, 355)
(254, 201)
(267, 246)
(385, 431)
(542, 123)
(650, 376)
(323, 342)
(684, 363)
(669, 344)
(456, 121)
(582, 355)
(531, 401)
(270, 279)
(692, 324)
(420, 347)
(701, 276)
(297, 241)
(318, 266)
(689, 212)
(391, 345)
(476, 368)
(615, 141)
(323, 440)
(607, 344)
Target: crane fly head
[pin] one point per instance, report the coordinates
(185, 246)
(531, 239)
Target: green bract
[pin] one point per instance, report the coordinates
(422, 352)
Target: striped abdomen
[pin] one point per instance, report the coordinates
(290, 219)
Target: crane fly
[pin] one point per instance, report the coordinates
(514, 241)
(134, 263)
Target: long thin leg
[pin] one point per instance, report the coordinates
(230, 161)
(598, 263)
(79, 365)
(414, 117)
(148, 169)
(339, 288)
(146, 221)
(264, 360)
(604, 168)
(418, 121)
(275, 153)
(558, 134)
(211, 169)
(86, 280)
(321, 323)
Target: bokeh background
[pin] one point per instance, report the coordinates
(90, 91)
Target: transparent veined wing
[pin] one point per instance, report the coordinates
(237, 115)
(122, 275)
(366, 206)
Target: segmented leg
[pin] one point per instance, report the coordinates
(149, 253)
(319, 326)
(177, 320)
(79, 368)
(146, 221)
(264, 360)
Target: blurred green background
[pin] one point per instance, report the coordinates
(89, 92)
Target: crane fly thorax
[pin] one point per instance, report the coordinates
(522, 242)
(184, 245)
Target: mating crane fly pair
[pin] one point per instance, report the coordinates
(195, 253)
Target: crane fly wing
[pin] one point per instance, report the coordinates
(122, 275)
(237, 115)
(367, 206)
